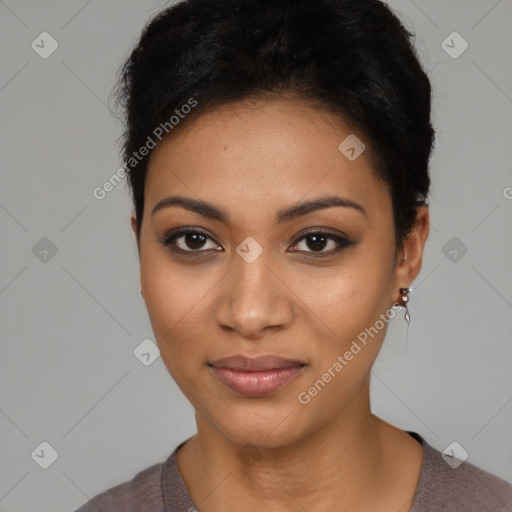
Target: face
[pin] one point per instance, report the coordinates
(254, 274)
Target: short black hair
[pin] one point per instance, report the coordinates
(353, 58)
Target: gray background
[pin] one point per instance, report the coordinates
(70, 323)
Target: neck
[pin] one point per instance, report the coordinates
(343, 466)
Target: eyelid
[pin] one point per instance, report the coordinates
(321, 231)
(170, 237)
(340, 239)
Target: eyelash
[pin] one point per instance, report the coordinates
(342, 242)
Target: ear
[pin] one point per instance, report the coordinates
(408, 269)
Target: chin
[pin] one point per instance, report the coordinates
(263, 426)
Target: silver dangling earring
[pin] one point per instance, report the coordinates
(404, 299)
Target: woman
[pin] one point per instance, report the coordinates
(277, 154)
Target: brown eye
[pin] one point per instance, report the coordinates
(192, 241)
(318, 241)
(188, 240)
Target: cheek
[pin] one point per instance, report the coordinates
(172, 291)
(352, 328)
(347, 298)
(345, 304)
(351, 338)
(175, 298)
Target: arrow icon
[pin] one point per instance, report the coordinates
(44, 45)
(454, 45)
(249, 250)
(351, 147)
(454, 249)
(146, 352)
(44, 455)
(454, 455)
(44, 250)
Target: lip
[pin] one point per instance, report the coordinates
(239, 362)
(258, 376)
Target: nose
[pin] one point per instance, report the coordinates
(253, 300)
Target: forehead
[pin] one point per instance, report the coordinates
(260, 156)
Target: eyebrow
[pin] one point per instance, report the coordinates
(212, 211)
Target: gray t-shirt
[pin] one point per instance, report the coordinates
(441, 488)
